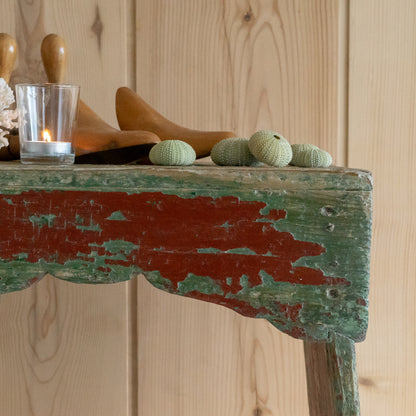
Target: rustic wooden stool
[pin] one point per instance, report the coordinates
(288, 245)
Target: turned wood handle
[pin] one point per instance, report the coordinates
(8, 53)
(54, 57)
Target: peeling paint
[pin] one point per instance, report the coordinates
(117, 216)
(202, 284)
(41, 220)
(242, 250)
(91, 227)
(262, 248)
(208, 250)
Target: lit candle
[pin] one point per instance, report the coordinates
(47, 147)
(54, 106)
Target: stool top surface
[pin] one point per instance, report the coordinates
(15, 174)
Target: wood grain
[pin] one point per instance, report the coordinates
(7, 22)
(197, 358)
(29, 31)
(245, 65)
(96, 36)
(241, 66)
(64, 350)
(381, 138)
(60, 370)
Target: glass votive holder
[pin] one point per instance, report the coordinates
(47, 117)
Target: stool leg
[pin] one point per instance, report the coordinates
(331, 377)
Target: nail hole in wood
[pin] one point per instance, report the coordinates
(330, 228)
(327, 211)
(332, 293)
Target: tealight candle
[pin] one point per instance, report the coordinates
(47, 114)
(47, 147)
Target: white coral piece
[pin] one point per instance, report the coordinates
(6, 95)
(4, 142)
(7, 117)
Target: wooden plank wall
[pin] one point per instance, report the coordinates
(65, 350)
(382, 129)
(336, 73)
(239, 65)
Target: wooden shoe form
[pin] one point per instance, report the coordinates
(8, 54)
(134, 113)
(92, 134)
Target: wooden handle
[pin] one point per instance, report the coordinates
(8, 53)
(54, 57)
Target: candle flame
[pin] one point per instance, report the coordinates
(46, 136)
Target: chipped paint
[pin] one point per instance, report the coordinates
(202, 284)
(91, 227)
(254, 240)
(117, 216)
(42, 220)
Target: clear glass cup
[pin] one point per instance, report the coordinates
(47, 117)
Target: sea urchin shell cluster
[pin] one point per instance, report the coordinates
(264, 146)
(269, 147)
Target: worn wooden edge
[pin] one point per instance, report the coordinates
(15, 175)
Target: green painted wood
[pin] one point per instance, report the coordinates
(205, 178)
(328, 208)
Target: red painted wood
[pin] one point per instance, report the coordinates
(168, 233)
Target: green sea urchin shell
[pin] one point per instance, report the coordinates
(298, 149)
(233, 151)
(313, 158)
(172, 153)
(271, 148)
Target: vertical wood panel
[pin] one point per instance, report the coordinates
(243, 65)
(381, 138)
(63, 350)
(196, 358)
(235, 65)
(96, 36)
(7, 21)
(67, 347)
